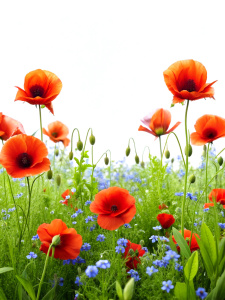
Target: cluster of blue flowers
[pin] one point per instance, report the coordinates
(85, 247)
(134, 274)
(100, 238)
(92, 271)
(79, 211)
(222, 225)
(77, 260)
(155, 238)
(31, 255)
(35, 237)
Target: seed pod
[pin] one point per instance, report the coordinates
(128, 151)
(142, 164)
(58, 180)
(70, 155)
(192, 178)
(49, 174)
(189, 150)
(106, 160)
(136, 159)
(220, 160)
(172, 160)
(56, 152)
(167, 154)
(79, 145)
(92, 139)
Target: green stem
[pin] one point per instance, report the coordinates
(144, 151)
(134, 145)
(206, 172)
(29, 202)
(40, 122)
(186, 172)
(161, 154)
(72, 137)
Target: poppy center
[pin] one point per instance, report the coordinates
(210, 133)
(114, 208)
(55, 134)
(189, 86)
(24, 160)
(37, 91)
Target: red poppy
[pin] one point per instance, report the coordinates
(162, 206)
(9, 127)
(133, 260)
(65, 194)
(70, 240)
(187, 237)
(208, 129)
(207, 205)
(165, 220)
(158, 123)
(186, 79)
(218, 195)
(40, 88)
(57, 132)
(24, 155)
(115, 207)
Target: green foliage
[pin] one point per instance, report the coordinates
(185, 250)
(191, 267)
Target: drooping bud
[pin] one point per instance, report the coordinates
(58, 179)
(42, 106)
(71, 155)
(189, 151)
(172, 160)
(142, 242)
(142, 164)
(106, 160)
(49, 174)
(136, 159)
(56, 240)
(220, 160)
(167, 154)
(128, 151)
(192, 178)
(92, 139)
(129, 289)
(56, 152)
(79, 145)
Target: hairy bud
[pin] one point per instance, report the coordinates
(192, 178)
(136, 159)
(71, 155)
(79, 145)
(220, 160)
(128, 151)
(189, 151)
(106, 160)
(92, 139)
(49, 174)
(142, 164)
(167, 154)
(58, 180)
(56, 152)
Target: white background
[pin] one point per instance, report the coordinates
(110, 57)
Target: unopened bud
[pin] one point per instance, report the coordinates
(172, 160)
(192, 178)
(131, 252)
(204, 148)
(129, 289)
(142, 242)
(167, 154)
(79, 271)
(128, 151)
(58, 180)
(189, 152)
(56, 240)
(70, 155)
(136, 159)
(42, 106)
(49, 174)
(56, 152)
(142, 164)
(220, 160)
(106, 160)
(79, 145)
(92, 139)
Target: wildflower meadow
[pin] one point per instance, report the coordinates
(72, 228)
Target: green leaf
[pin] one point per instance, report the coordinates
(50, 295)
(181, 291)
(191, 267)
(129, 289)
(34, 133)
(5, 269)
(27, 286)
(119, 290)
(209, 243)
(182, 243)
(2, 295)
(77, 161)
(172, 245)
(219, 291)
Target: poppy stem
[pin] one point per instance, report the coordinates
(160, 145)
(40, 123)
(72, 137)
(206, 173)
(29, 202)
(186, 172)
(144, 151)
(43, 273)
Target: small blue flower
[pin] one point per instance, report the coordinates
(35, 237)
(134, 274)
(52, 212)
(67, 197)
(151, 270)
(122, 242)
(120, 249)
(79, 211)
(167, 286)
(145, 249)
(179, 194)
(87, 202)
(22, 184)
(73, 190)
(164, 239)
(85, 247)
(74, 215)
(154, 238)
(158, 263)
(61, 281)
(157, 228)
(66, 262)
(91, 271)
(78, 260)
(206, 209)
(100, 238)
(76, 296)
(103, 264)
(74, 222)
(178, 267)
(222, 225)
(201, 293)
(89, 219)
(78, 281)
(127, 225)
(31, 255)
(171, 255)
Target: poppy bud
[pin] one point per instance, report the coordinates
(142, 164)
(192, 178)
(56, 152)
(128, 151)
(92, 139)
(172, 160)
(189, 150)
(79, 271)
(106, 160)
(49, 174)
(204, 148)
(56, 240)
(136, 159)
(142, 242)
(42, 106)
(71, 155)
(58, 180)
(79, 145)
(220, 160)
(167, 154)
(131, 252)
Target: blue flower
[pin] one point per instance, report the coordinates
(145, 249)
(134, 274)
(206, 209)
(120, 249)
(31, 255)
(78, 260)
(158, 263)
(73, 190)
(127, 225)
(167, 286)
(164, 239)
(179, 194)
(87, 202)
(151, 270)
(85, 247)
(154, 238)
(178, 267)
(103, 264)
(157, 228)
(222, 225)
(74, 215)
(201, 293)
(100, 238)
(79, 211)
(181, 174)
(91, 271)
(61, 281)
(78, 281)
(22, 184)
(35, 237)
(88, 219)
(171, 255)
(122, 242)
(76, 296)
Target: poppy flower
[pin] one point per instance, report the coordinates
(57, 132)
(9, 127)
(40, 88)
(186, 79)
(208, 129)
(24, 155)
(218, 195)
(70, 240)
(207, 205)
(133, 260)
(65, 194)
(114, 206)
(162, 206)
(165, 220)
(158, 123)
(187, 237)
